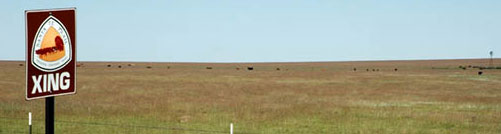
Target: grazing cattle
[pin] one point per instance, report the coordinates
(148, 67)
(396, 69)
(250, 68)
(109, 65)
(208, 67)
(355, 69)
(278, 69)
(119, 66)
(21, 64)
(480, 72)
(238, 68)
(373, 70)
(367, 70)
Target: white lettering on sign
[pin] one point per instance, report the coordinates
(53, 82)
(50, 82)
(66, 84)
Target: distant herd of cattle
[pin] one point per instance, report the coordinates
(250, 68)
(373, 69)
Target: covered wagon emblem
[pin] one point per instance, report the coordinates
(51, 49)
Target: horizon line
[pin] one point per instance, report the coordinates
(279, 61)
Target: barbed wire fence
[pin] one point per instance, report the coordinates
(113, 125)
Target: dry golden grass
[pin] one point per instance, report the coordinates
(299, 98)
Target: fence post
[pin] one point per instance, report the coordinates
(231, 128)
(29, 120)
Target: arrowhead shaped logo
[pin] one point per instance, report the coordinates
(51, 49)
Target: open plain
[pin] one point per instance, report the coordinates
(422, 96)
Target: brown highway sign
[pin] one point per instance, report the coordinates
(50, 52)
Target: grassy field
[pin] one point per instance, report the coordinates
(301, 98)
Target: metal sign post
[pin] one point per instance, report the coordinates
(49, 115)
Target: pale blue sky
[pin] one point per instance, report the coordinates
(268, 30)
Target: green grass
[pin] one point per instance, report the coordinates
(306, 98)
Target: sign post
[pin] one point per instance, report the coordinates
(49, 115)
(50, 57)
